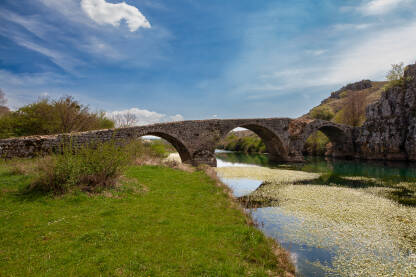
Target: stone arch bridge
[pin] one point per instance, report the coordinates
(195, 140)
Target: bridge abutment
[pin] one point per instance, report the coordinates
(204, 157)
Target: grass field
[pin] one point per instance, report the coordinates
(159, 222)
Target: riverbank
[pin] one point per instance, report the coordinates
(157, 222)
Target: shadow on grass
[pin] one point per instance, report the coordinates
(17, 186)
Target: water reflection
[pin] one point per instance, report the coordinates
(373, 169)
(241, 186)
(274, 222)
(242, 158)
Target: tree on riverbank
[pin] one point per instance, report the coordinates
(45, 117)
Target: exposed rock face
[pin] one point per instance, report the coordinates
(358, 85)
(390, 129)
(364, 84)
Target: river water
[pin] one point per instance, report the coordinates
(331, 230)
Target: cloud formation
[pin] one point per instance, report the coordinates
(372, 57)
(107, 13)
(145, 117)
(378, 7)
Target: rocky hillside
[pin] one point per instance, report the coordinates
(336, 107)
(389, 132)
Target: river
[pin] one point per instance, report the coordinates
(346, 224)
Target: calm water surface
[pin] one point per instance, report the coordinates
(273, 219)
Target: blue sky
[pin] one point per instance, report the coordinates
(188, 59)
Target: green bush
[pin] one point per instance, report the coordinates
(396, 76)
(322, 112)
(90, 168)
(46, 117)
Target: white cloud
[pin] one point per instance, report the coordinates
(107, 13)
(378, 7)
(176, 117)
(29, 79)
(351, 27)
(316, 52)
(145, 117)
(62, 60)
(364, 55)
(371, 57)
(98, 47)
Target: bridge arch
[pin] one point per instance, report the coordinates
(273, 142)
(180, 147)
(338, 135)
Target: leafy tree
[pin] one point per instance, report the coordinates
(396, 76)
(75, 117)
(46, 117)
(38, 118)
(396, 72)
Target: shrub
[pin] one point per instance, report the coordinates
(396, 72)
(396, 76)
(322, 112)
(90, 168)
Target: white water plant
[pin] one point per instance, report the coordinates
(368, 234)
(266, 174)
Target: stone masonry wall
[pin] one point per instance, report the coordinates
(195, 140)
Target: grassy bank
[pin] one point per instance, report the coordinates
(157, 222)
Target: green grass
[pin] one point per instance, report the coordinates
(161, 222)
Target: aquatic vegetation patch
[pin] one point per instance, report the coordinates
(403, 192)
(368, 234)
(266, 174)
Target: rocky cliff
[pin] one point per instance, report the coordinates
(389, 131)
